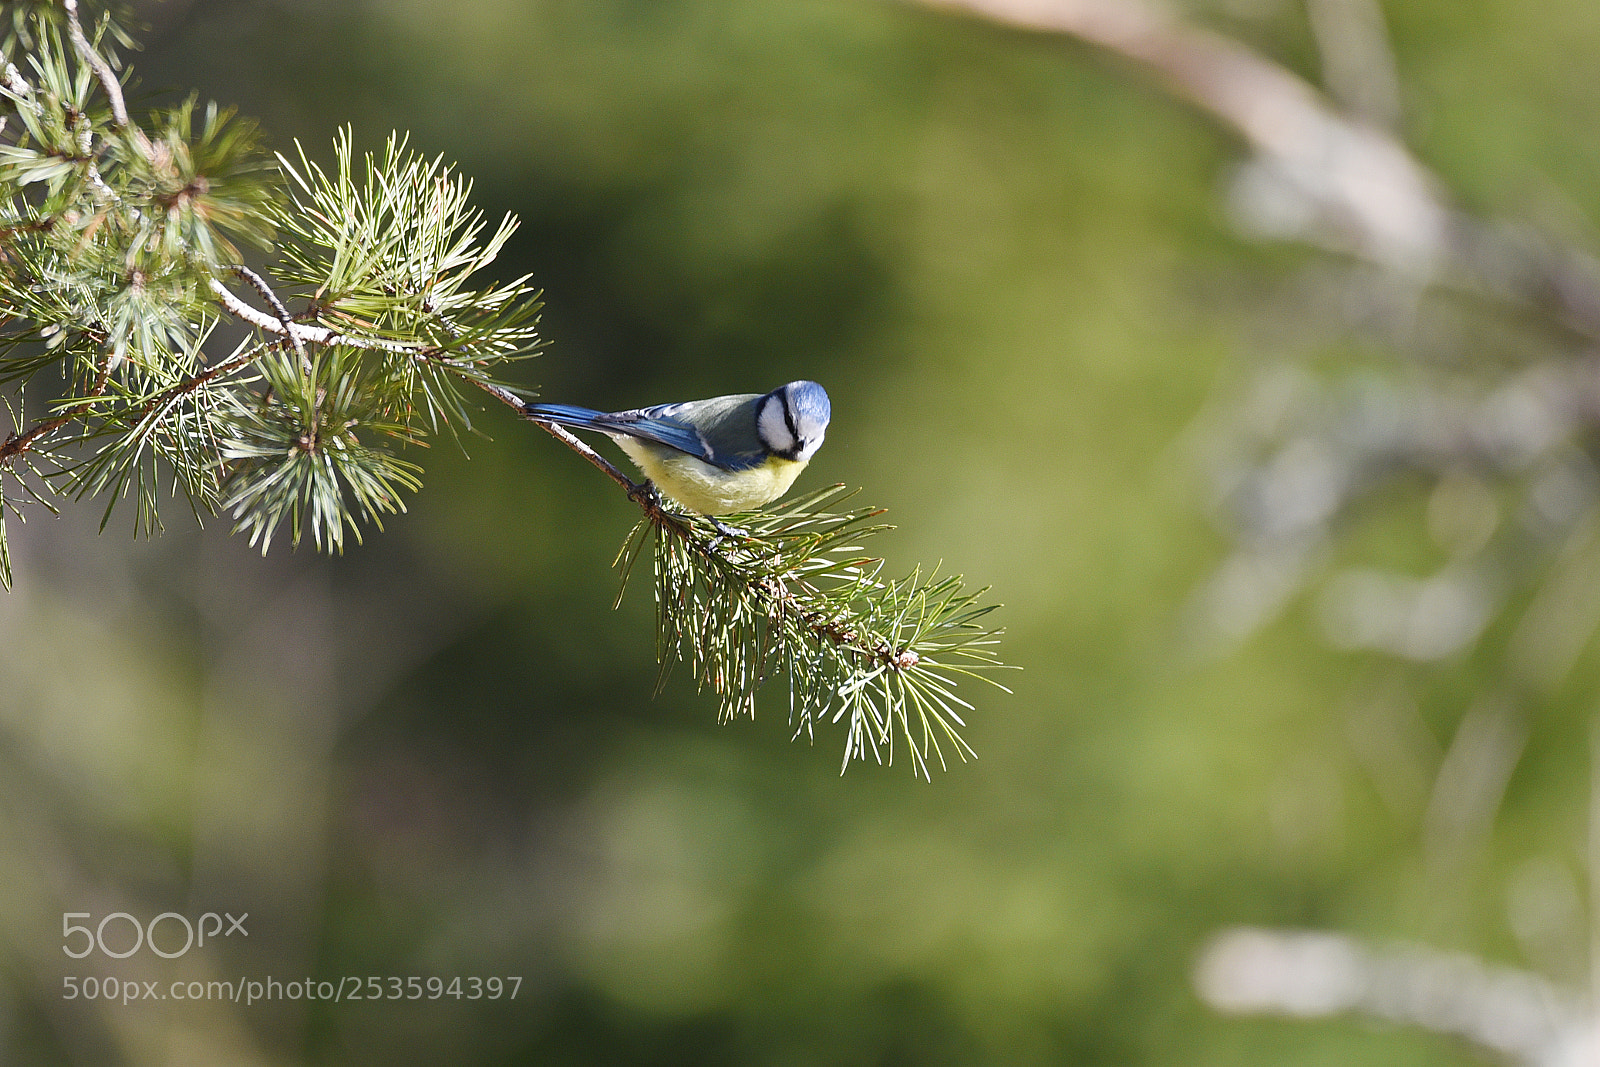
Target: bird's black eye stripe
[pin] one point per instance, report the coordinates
(788, 420)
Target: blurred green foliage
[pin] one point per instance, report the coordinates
(1007, 258)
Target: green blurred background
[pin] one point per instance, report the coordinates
(1010, 261)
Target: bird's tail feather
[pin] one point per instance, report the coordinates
(565, 414)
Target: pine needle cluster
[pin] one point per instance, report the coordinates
(281, 396)
(793, 595)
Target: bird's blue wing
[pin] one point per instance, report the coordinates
(657, 424)
(651, 424)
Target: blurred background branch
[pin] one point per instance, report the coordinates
(1327, 168)
(1516, 1015)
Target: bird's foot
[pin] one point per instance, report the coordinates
(645, 493)
(732, 533)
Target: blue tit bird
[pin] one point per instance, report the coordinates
(728, 453)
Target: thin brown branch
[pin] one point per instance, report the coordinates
(283, 325)
(14, 81)
(190, 384)
(16, 444)
(865, 647)
(38, 225)
(638, 492)
(97, 63)
(304, 333)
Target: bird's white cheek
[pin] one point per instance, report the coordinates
(772, 427)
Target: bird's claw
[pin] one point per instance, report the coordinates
(732, 533)
(645, 493)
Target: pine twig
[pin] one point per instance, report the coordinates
(259, 284)
(97, 63)
(107, 78)
(300, 333)
(638, 492)
(16, 444)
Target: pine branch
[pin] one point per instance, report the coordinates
(115, 270)
(797, 597)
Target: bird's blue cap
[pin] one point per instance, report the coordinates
(808, 400)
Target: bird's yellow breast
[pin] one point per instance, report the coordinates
(699, 486)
